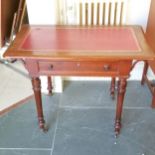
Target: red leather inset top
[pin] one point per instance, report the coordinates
(74, 39)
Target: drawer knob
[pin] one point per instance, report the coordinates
(106, 67)
(78, 64)
(50, 67)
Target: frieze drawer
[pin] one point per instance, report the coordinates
(77, 67)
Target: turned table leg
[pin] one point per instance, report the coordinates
(153, 99)
(144, 72)
(112, 88)
(120, 97)
(49, 87)
(37, 92)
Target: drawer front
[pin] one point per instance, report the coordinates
(78, 68)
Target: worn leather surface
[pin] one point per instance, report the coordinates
(77, 39)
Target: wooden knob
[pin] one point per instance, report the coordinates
(78, 64)
(106, 67)
(50, 67)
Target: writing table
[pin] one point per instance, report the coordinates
(80, 51)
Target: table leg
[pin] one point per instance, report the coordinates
(49, 87)
(120, 97)
(153, 99)
(112, 88)
(37, 92)
(144, 72)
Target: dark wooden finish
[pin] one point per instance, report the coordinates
(78, 61)
(78, 67)
(144, 72)
(150, 36)
(112, 88)
(13, 28)
(37, 93)
(121, 92)
(8, 23)
(7, 10)
(49, 87)
(153, 99)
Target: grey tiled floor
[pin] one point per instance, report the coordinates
(81, 122)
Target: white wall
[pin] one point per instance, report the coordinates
(41, 11)
(137, 12)
(44, 11)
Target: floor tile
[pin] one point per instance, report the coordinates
(81, 121)
(19, 128)
(91, 132)
(86, 94)
(137, 95)
(97, 94)
(139, 127)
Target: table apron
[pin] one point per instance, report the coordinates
(78, 68)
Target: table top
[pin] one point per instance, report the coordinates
(73, 42)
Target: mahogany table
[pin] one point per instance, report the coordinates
(80, 51)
